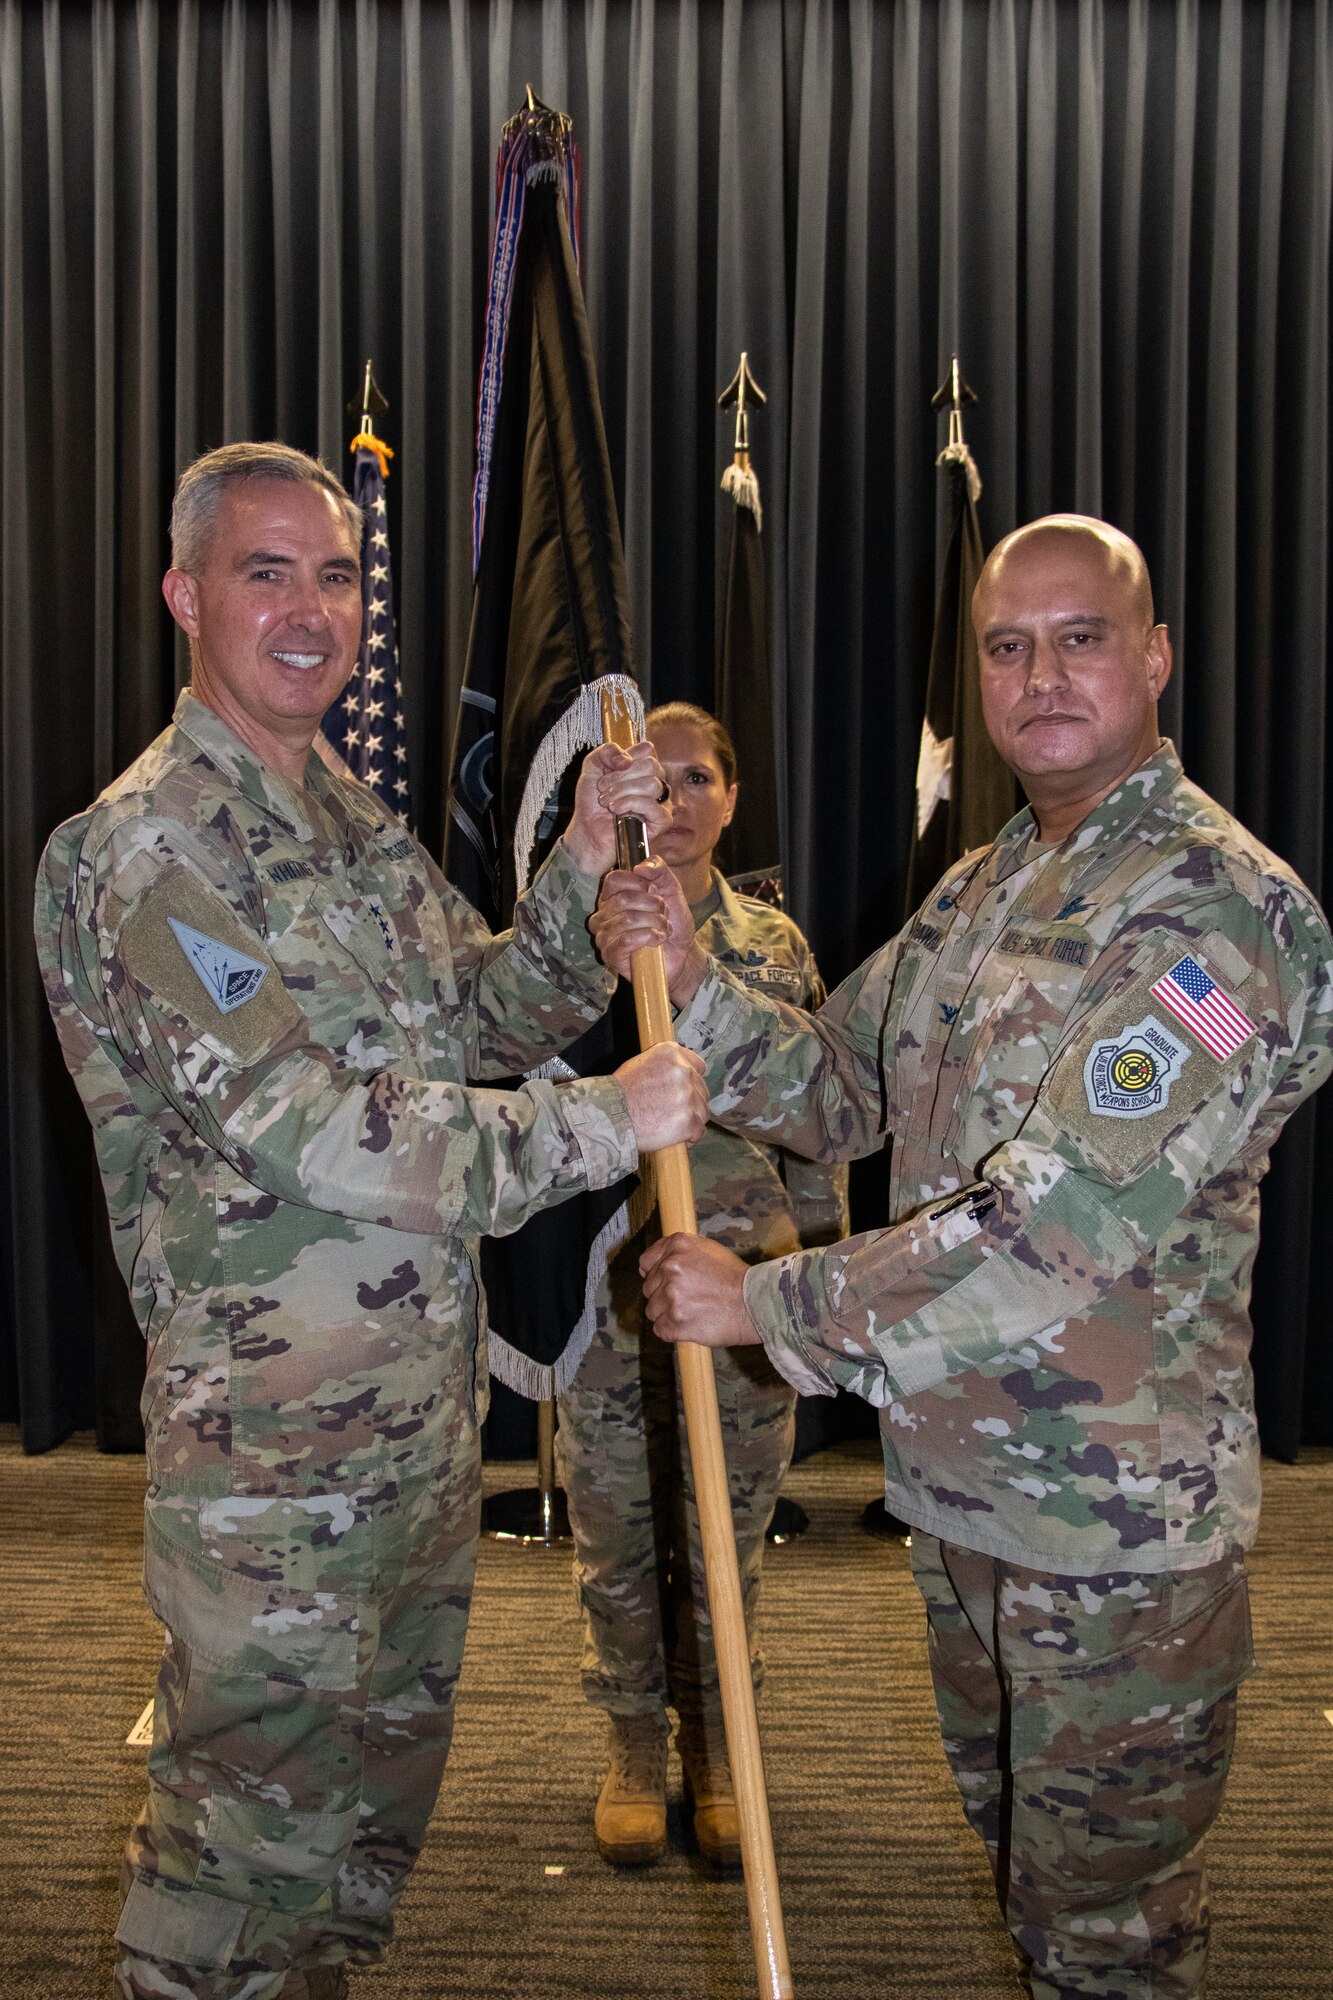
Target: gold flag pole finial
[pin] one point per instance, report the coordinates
(372, 403)
(954, 394)
(742, 390)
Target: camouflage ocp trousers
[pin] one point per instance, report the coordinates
(1089, 1723)
(302, 1720)
(624, 1464)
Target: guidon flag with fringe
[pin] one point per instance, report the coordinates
(549, 628)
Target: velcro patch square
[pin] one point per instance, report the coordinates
(185, 949)
(1130, 1078)
(1206, 1009)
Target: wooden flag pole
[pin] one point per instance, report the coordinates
(675, 1201)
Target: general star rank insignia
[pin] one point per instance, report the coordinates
(1130, 1075)
(385, 927)
(228, 977)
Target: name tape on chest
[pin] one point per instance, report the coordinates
(755, 968)
(227, 975)
(1210, 1014)
(1056, 947)
(784, 977)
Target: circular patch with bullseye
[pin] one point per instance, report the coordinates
(1133, 1069)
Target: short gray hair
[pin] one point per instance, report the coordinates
(201, 486)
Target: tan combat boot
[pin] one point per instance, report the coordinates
(708, 1788)
(629, 1824)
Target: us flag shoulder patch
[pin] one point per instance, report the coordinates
(1206, 1009)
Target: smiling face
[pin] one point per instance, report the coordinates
(702, 802)
(1071, 662)
(274, 615)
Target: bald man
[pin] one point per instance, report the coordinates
(1082, 1048)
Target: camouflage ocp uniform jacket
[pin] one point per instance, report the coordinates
(756, 1198)
(269, 999)
(1082, 1056)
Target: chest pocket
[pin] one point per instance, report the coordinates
(1011, 1050)
(372, 943)
(428, 950)
(335, 960)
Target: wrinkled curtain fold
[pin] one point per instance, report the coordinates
(1116, 211)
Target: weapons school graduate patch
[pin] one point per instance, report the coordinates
(1130, 1074)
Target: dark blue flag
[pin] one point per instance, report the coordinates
(550, 624)
(366, 725)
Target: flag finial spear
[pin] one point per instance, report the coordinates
(372, 403)
(539, 118)
(953, 395)
(742, 390)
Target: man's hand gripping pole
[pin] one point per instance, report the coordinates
(675, 1201)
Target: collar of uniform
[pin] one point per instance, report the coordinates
(1155, 777)
(729, 917)
(345, 802)
(251, 776)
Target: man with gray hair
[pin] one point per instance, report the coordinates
(271, 1003)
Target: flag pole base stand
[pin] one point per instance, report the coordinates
(884, 1526)
(789, 1523)
(527, 1515)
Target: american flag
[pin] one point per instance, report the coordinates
(366, 726)
(1205, 1009)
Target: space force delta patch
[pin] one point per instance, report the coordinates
(228, 977)
(1131, 1074)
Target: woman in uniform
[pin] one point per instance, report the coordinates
(624, 1464)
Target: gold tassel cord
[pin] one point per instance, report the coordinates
(367, 441)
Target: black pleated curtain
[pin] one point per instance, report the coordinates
(1117, 211)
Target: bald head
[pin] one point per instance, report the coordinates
(1072, 662)
(1122, 559)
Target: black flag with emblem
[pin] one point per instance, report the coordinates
(549, 619)
(964, 791)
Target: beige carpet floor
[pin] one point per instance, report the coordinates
(886, 1896)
